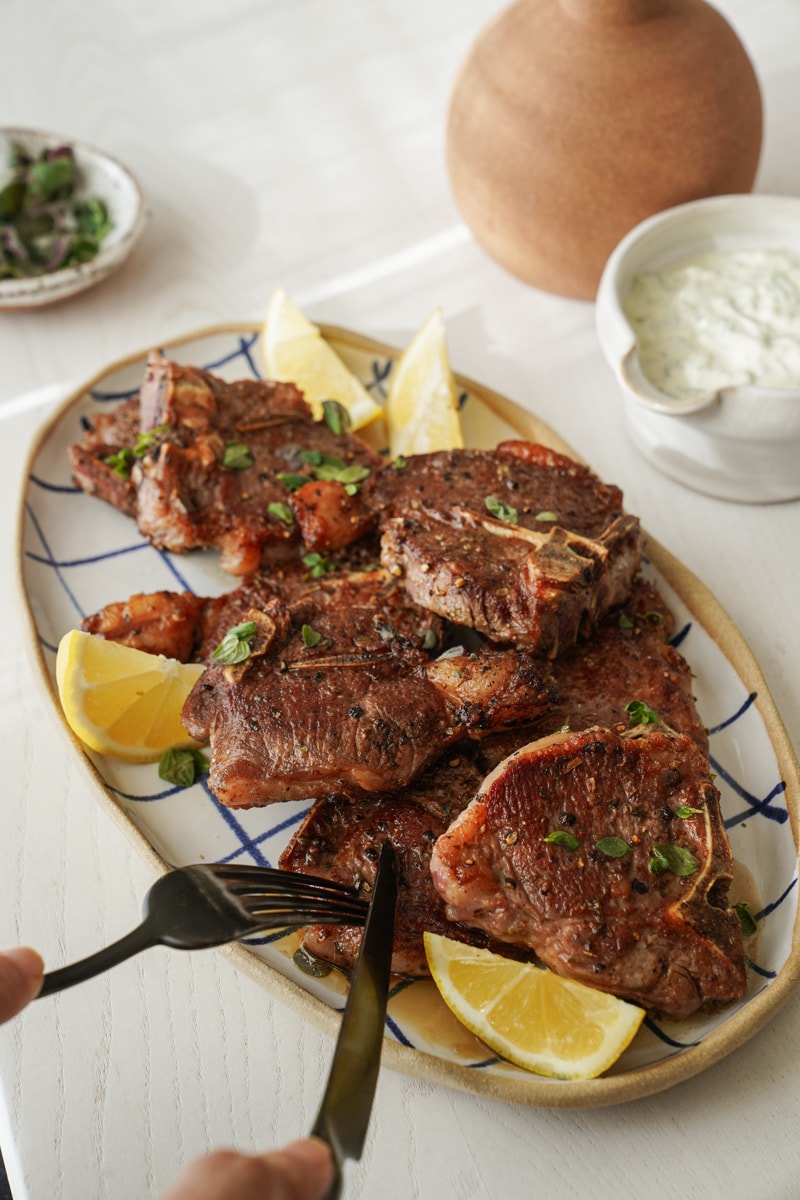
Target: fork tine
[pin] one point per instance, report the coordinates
(310, 912)
(244, 878)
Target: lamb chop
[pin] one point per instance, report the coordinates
(213, 464)
(606, 854)
(521, 543)
(337, 694)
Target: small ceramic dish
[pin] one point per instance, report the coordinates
(740, 442)
(101, 176)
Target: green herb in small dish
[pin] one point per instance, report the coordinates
(44, 225)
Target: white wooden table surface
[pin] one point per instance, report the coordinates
(302, 144)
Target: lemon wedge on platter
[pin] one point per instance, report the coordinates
(293, 350)
(422, 405)
(530, 1016)
(122, 701)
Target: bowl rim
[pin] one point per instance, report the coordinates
(39, 290)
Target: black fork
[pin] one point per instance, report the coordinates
(193, 908)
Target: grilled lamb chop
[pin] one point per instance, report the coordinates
(337, 694)
(520, 543)
(605, 854)
(212, 464)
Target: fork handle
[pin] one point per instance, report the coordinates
(138, 939)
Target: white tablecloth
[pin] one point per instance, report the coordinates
(302, 144)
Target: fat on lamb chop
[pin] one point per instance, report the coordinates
(213, 464)
(520, 543)
(338, 694)
(606, 855)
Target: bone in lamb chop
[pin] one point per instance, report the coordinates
(606, 854)
(209, 461)
(629, 659)
(520, 543)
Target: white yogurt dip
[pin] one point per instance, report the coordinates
(720, 319)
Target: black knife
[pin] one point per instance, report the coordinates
(344, 1114)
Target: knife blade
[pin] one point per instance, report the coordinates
(343, 1117)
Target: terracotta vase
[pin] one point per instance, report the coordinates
(572, 120)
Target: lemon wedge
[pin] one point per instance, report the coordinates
(422, 405)
(122, 701)
(294, 351)
(528, 1015)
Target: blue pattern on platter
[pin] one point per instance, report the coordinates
(79, 554)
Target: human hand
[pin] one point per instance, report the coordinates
(300, 1171)
(21, 973)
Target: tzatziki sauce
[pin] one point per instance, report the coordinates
(720, 319)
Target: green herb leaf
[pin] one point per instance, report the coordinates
(328, 467)
(45, 229)
(746, 919)
(236, 646)
(53, 176)
(310, 636)
(546, 516)
(292, 481)
(122, 462)
(685, 810)
(146, 439)
(625, 621)
(310, 965)
(560, 837)
(614, 847)
(501, 510)
(666, 856)
(182, 767)
(317, 565)
(641, 713)
(92, 218)
(282, 511)
(400, 463)
(237, 456)
(11, 199)
(430, 640)
(342, 474)
(336, 417)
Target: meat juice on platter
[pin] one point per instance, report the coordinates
(356, 689)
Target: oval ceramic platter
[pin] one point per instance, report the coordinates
(77, 554)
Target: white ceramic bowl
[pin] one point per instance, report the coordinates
(738, 443)
(101, 176)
